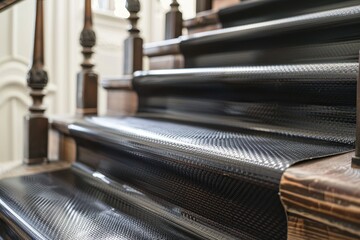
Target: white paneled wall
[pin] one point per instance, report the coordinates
(63, 23)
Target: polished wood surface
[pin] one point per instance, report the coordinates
(204, 21)
(167, 47)
(121, 102)
(175, 61)
(87, 79)
(302, 228)
(36, 123)
(326, 192)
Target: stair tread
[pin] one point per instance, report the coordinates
(309, 100)
(259, 156)
(77, 203)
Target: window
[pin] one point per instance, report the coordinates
(115, 7)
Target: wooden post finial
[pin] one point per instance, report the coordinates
(36, 124)
(87, 79)
(87, 37)
(133, 6)
(133, 45)
(173, 21)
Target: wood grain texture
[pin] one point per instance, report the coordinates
(121, 102)
(166, 62)
(325, 191)
(301, 228)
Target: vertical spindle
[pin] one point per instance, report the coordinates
(36, 123)
(133, 45)
(87, 79)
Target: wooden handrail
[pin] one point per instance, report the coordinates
(87, 79)
(174, 21)
(36, 123)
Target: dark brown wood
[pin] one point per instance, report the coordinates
(4, 4)
(120, 83)
(133, 45)
(302, 228)
(173, 21)
(167, 62)
(203, 5)
(121, 102)
(325, 192)
(162, 48)
(36, 123)
(204, 21)
(87, 79)
(121, 99)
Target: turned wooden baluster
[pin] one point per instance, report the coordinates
(203, 5)
(87, 79)
(36, 123)
(133, 45)
(173, 27)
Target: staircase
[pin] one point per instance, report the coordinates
(228, 147)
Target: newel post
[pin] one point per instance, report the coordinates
(87, 79)
(174, 21)
(36, 123)
(133, 45)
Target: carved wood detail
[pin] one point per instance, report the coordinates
(133, 45)
(36, 123)
(173, 21)
(87, 79)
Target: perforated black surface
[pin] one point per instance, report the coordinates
(327, 36)
(75, 204)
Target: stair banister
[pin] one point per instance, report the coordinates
(87, 79)
(36, 123)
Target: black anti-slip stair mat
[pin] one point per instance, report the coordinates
(263, 10)
(229, 177)
(275, 116)
(80, 204)
(327, 36)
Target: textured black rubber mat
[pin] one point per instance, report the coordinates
(319, 37)
(77, 204)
